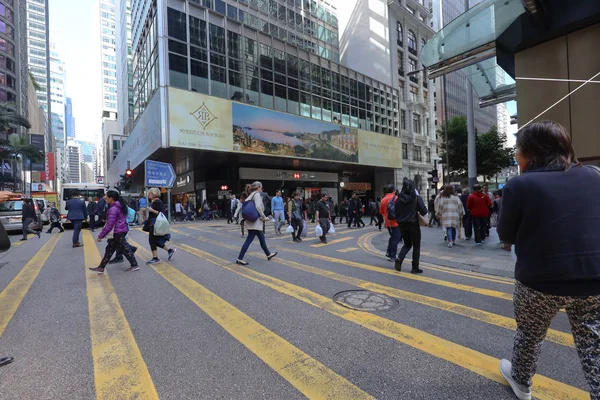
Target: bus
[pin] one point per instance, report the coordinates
(86, 190)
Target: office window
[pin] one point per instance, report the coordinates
(217, 38)
(428, 154)
(178, 71)
(412, 65)
(403, 119)
(231, 12)
(177, 25)
(417, 153)
(220, 6)
(417, 123)
(412, 42)
(404, 151)
(400, 38)
(197, 32)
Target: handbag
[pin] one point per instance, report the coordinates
(304, 229)
(422, 220)
(249, 211)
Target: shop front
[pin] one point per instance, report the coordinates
(184, 191)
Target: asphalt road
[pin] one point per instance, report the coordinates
(201, 327)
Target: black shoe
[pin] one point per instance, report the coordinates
(6, 360)
(271, 256)
(116, 260)
(299, 238)
(398, 264)
(387, 255)
(23, 239)
(241, 262)
(295, 240)
(62, 230)
(39, 233)
(48, 232)
(416, 271)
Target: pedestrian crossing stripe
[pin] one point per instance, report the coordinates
(119, 368)
(13, 294)
(331, 242)
(480, 363)
(347, 250)
(305, 373)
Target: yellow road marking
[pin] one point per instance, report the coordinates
(348, 250)
(306, 374)
(363, 243)
(13, 294)
(119, 369)
(336, 241)
(562, 338)
(480, 363)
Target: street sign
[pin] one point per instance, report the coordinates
(159, 174)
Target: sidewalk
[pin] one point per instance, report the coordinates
(487, 259)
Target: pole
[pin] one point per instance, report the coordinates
(445, 98)
(472, 157)
(169, 203)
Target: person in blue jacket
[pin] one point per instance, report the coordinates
(77, 213)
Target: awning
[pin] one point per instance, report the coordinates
(468, 44)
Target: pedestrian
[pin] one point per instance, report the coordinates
(54, 218)
(479, 205)
(278, 212)
(360, 209)
(238, 211)
(558, 251)
(431, 209)
(102, 207)
(378, 211)
(29, 216)
(266, 207)
(233, 203)
(205, 211)
(156, 207)
(296, 216)
(190, 208)
(142, 213)
(178, 210)
(467, 220)
(92, 210)
(135, 206)
(77, 213)
(407, 206)
(373, 211)
(388, 211)
(497, 205)
(450, 213)
(255, 227)
(323, 216)
(488, 222)
(116, 221)
(352, 211)
(332, 212)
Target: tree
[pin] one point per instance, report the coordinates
(10, 119)
(491, 154)
(18, 147)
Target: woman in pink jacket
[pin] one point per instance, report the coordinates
(116, 221)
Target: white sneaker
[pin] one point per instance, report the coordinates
(450, 244)
(522, 392)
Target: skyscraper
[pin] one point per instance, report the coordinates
(444, 11)
(74, 156)
(109, 58)
(402, 29)
(124, 68)
(57, 95)
(38, 47)
(69, 119)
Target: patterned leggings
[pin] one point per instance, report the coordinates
(534, 312)
(118, 243)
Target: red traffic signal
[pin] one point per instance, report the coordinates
(129, 172)
(224, 187)
(296, 175)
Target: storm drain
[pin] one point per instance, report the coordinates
(365, 300)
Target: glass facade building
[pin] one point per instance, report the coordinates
(109, 57)
(38, 47)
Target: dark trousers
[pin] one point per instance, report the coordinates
(26, 228)
(230, 216)
(433, 219)
(479, 228)
(379, 220)
(251, 235)
(298, 225)
(395, 238)
(351, 219)
(333, 217)
(77, 224)
(468, 225)
(118, 243)
(119, 253)
(92, 222)
(152, 241)
(55, 225)
(325, 225)
(373, 218)
(411, 235)
(358, 219)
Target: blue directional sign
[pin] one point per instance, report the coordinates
(159, 174)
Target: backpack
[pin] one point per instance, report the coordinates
(130, 215)
(391, 208)
(249, 211)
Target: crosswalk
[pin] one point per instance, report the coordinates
(280, 314)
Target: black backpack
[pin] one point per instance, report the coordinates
(391, 208)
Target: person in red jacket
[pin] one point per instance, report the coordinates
(479, 205)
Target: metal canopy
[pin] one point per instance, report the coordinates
(468, 44)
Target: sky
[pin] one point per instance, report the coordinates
(74, 27)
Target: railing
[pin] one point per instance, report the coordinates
(412, 51)
(400, 42)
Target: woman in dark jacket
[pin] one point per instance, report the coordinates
(557, 243)
(408, 205)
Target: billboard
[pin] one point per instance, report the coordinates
(38, 142)
(198, 121)
(49, 168)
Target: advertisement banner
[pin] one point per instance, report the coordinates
(199, 122)
(38, 142)
(379, 150)
(49, 167)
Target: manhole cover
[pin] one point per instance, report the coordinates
(365, 300)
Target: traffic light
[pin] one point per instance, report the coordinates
(434, 176)
(224, 187)
(126, 180)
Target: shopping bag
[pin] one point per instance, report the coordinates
(331, 229)
(304, 229)
(289, 229)
(422, 220)
(461, 233)
(161, 226)
(318, 231)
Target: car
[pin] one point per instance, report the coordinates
(11, 214)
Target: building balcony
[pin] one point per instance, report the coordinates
(400, 72)
(425, 84)
(412, 51)
(399, 42)
(414, 79)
